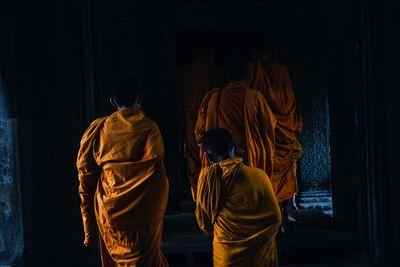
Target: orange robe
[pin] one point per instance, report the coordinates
(193, 82)
(124, 188)
(247, 116)
(273, 81)
(237, 206)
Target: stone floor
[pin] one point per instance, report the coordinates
(317, 200)
(318, 241)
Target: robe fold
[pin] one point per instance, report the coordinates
(273, 81)
(245, 113)
(193, 82)
(236, 205)
(124, 188)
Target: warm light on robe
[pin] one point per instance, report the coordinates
(245, 113)
(193, 82)
(236, 205)
(273, 81)
(124, 188)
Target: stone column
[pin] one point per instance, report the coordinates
(11, 226)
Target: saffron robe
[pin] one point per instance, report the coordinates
(245, 113)
(236, 205)
(273, 81)
(193, 82)
(124, 188)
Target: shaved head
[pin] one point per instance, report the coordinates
(218, 144)
(128, 92)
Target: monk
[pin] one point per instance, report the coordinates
(123, 184)
(193, 82)
(244, 112)
(273, 81)
(236, 205)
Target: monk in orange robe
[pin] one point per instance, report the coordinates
(193, 82)
(244, 112)
(273, 81)
(236, 205)
(123, 184)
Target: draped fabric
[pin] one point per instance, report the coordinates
(273, 81)
(235, 204)
(193, 82)
(245, 113)
(123, 188)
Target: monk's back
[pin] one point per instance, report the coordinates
(236, 204)
(127, 136)
(133, 186)
(231, 111)
(250, 205)
(123, 184)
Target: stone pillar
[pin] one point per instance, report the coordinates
(11, 226)
(11, 229)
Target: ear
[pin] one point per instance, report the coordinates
(209, 159)
(138, 102)
(113, 102)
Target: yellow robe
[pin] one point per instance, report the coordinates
(237, 206)
(273, 81)
(124, 188)
(245, 113)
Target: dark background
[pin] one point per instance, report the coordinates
(60, 60)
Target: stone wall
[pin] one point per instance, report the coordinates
(11, 229)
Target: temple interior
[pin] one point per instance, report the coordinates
(59, 61)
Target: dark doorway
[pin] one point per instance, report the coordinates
(297, 34)
(298, 43)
